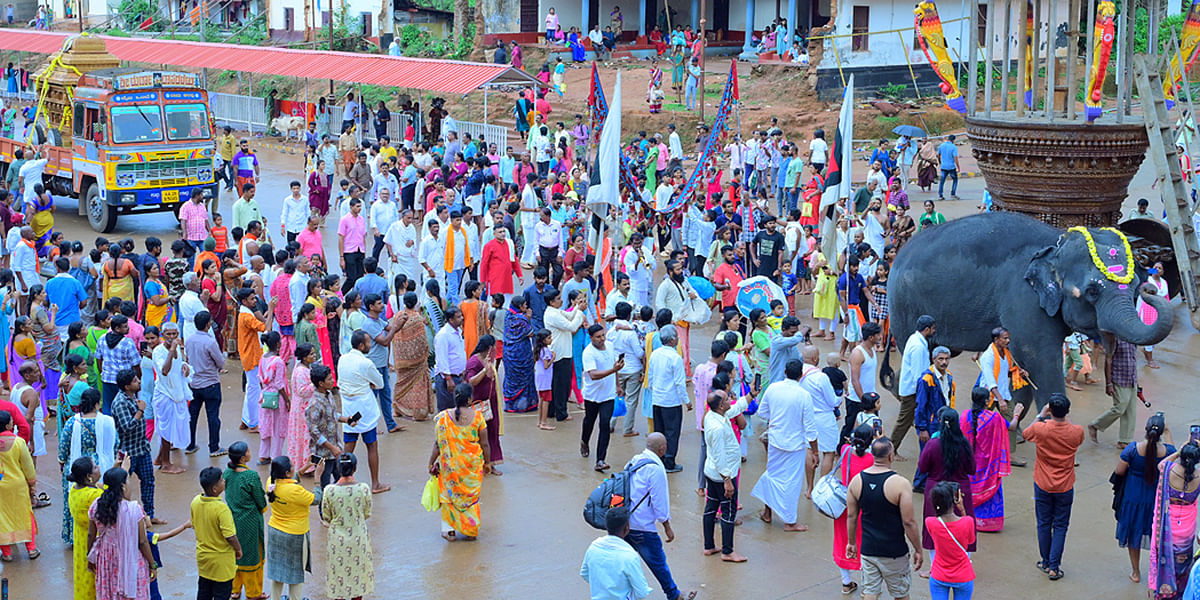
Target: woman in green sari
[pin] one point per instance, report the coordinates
(77, 343)
(306, 331)
(678, 69)
(246, 499)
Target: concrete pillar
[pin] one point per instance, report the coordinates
(791, 19)
(585, 7)
(747, 49)
(643, 24)
(696, 15)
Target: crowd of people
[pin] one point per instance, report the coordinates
(470, 283)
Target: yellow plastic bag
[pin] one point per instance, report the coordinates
(430, 497)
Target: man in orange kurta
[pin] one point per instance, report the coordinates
(249, 325)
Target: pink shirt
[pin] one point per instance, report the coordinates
(310, 242)
(195, 221)
(354, 233)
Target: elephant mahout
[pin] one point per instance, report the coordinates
(1004, 269)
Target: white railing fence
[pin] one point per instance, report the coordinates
(491, 134)
(248, 113)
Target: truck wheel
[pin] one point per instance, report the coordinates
(101, 216)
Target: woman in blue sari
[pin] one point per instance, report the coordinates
(520, 393)
(578, 54)
(10, 76)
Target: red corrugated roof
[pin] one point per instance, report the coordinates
(445, 76)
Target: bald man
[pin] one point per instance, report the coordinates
(825, 401)
(649, 491)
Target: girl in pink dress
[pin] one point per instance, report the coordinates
(121, 550)
(302, 393)
(273, 418)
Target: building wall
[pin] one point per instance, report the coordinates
(275, 18)
(889, 49)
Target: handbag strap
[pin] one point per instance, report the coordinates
(954, 539)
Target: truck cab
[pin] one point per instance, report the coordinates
(141, 141)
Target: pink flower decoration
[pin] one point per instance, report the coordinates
(1112, 252)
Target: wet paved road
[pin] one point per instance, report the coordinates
(533, 536)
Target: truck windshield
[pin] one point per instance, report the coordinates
(187, 122)
(136, 124)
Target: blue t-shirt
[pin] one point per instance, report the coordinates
(948, 151)
(67, 293)
(371, 283)
(789, 284)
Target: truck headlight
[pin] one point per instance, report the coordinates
(125, 179)
(204, 174)
(128, 198)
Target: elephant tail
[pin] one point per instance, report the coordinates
(887, 377)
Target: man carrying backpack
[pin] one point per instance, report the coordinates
(650, 482)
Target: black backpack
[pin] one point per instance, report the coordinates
(612, 493)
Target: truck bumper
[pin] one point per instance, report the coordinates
(139, 199)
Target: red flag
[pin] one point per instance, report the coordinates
(735, 81)
(144, 25)
(592, 89)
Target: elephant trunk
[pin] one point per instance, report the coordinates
(1119, 316)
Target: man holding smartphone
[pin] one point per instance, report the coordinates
(357, 378)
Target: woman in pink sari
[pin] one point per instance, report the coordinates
(987, 432)
(1172, 539)
(273, 418)
(118, 548)
(321, 321)
(302, 392)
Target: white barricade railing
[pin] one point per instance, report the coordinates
(242, 112)
(491, 134)
(21, 96)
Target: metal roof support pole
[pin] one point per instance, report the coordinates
(485, 110)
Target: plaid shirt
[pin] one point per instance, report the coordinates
(123, 356)
(1124, 365)
(194, 217)
(131, 427)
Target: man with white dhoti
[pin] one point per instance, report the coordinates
(824, 401)
(402, 246)
(357, 378)
(171, 397)
(791, 444)
(529, 219)
(639, 265)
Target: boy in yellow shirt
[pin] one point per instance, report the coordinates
(217, 547)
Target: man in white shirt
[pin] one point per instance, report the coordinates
(529, 218)
(384, 180)
(639, 266)
(611, 566)
(402, 246)
(737, 152)
(824, 402)
(676, 295)
(818, 150)
(721, 468)
(629, 346)
(430, 254)
(460, 253)
(668, 393)
(599, 388)
(384, 212)
(562, 326)
(548, 234)
(295, 214)
(298, 285)
(190, 303)
(31, 173)
(995, 365)
(450, 358)
(25, 265)
(675, 146)
(791, 446)
(913, 364)
(662, 195)
(649, 490)
(357, 380)
(619, 294)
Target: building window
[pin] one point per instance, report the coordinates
(365, 24)
(289, 18)
(859, 28)
(981, 35)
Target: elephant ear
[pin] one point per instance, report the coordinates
(1042, 277)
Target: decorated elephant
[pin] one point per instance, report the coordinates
(1004, 269)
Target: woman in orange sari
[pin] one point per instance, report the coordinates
(412, 394)
(460, 462)
(474, 310)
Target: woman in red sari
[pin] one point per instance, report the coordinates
(212, 293)
(812, 201)
(320, 321)
(856, 456)
(318, 190)
(656, 38)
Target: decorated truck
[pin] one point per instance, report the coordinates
(121, 140)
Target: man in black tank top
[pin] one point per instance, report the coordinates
(881, 500)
